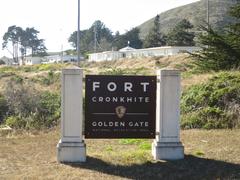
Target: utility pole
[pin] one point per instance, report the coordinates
(78, 34)
(208, 13)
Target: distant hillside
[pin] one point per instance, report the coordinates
(195, 13)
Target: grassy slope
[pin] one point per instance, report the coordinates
(195, 13)
(208, 154)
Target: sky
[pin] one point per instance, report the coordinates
(57, 19)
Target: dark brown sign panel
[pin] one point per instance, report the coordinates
(120, 106)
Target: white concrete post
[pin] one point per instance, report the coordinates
(167, 145)
(71, 147)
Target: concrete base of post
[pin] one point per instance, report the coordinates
(167, 150)
(71, 152)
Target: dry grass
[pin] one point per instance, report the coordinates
(195, 79)
(149, 63)
(139, 65)
(208, 155)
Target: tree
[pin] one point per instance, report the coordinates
(220, 50)
(21, 40)
(103, 39)
(12, 36)
(132, 36)
(180, 35)
(155, 38)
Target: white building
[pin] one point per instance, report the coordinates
(129, 52)
(107, 55)
(60, 59)
(33, 60)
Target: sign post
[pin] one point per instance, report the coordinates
(120, 106)
(71, 147)
(167, 145)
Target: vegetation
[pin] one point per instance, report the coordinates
(220, 50)
(214, 104)
(25, 107)
(180, 35)
(21, 40)
(131, 36)
(194, 13)
(99, 38)
(30, 100)
(3, 107)
(155, 38)
(99, 33)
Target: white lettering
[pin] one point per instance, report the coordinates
(112, 86)
(100, 99)
(107, 99)
(96, 85)
(147, 99)
(114, 99)
(128, 87)
(144, 84)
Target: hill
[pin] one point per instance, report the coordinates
(195, 13)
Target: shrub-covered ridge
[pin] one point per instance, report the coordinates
(214, 104)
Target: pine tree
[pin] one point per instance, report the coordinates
(154, 37)
(180, 34)
(220, 50)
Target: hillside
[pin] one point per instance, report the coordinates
(195, 13)
(22, 88)
(39, 76)
(30, 153)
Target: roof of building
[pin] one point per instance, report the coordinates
(127, 48)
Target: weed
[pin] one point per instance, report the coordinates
(199, 153)
(130, 141)
(145, 146)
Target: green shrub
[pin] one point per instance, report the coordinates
(212, 104)
(17, 79)
(50, 67)
(51, 78)
(207, 118)
(49, 109)
(32, 108)
(16, 122)
(3, 108)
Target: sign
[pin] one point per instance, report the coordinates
(120, 106)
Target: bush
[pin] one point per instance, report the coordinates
(17, 79)
(29, 108)
(49, 109)
(3, 108)
(214, 104)
(15, 122)
(51, 78)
